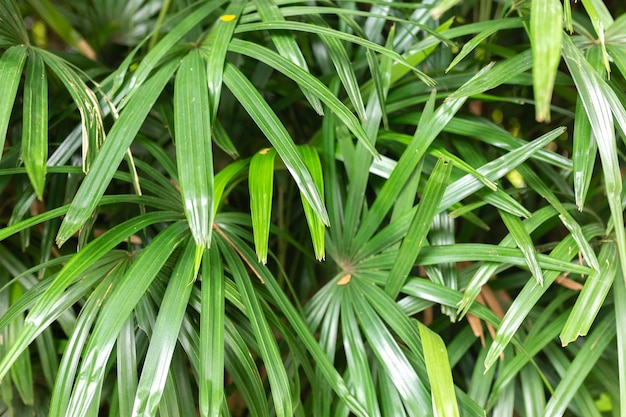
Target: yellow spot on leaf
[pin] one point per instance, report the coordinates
(344, 279)
(264, 151)
(228, 17)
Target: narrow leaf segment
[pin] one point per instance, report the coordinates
(193, 145)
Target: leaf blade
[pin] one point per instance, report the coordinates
(194, 153)
(11, 64)
(415, 238)
(439, 373)
(211, 378)
(114, 313)
(546, 30)
(276, 133)
(260, 185)
(268, 349)
(165, 333)
(35, 130)
(112, 152)
(316, 227)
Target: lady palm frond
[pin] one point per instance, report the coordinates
(278, 208)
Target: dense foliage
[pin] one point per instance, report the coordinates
(278, 207)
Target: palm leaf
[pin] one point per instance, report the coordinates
(11, 64)
(276, 133)
(35, 130)
(194, 153)
(119, 139)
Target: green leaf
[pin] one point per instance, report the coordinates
(11, 64)
(119, 304)
(415, 238)
(417, 53)
(425, 134)
(119, 139)
(546, 30)
(494, 75)
(261, 184)
(211, 378)
(619, 292)
(241, 366)
(583, 155)
(355, 351)
(436, 12)
(35, 129)
(566, 218)
(41, 313)
(221, 139)
(85, 99)
(47, 355)
(496, 169)
(529, 296)
(13, 29)
(316, 227)
(496, 136)
(460, 252)
(21, 370)
(165, 45)
(464, 166)
(496, 26)
(583, 363)
(487, 270)
(599, 14)
(276, 133)
(533, 344)
(381, 82)
(401, 325)
(194, 153)
(344, 68)
(216, 46)
(305, 27)
(592, 296)
(268, 348)
(439, 373)
(72, 354)
(301, 77)
(127, 366)
(524, 243)
(595, 100)
(296, 321)
(224, 178)
(286, 45)
(156, 365)
(390, 357)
